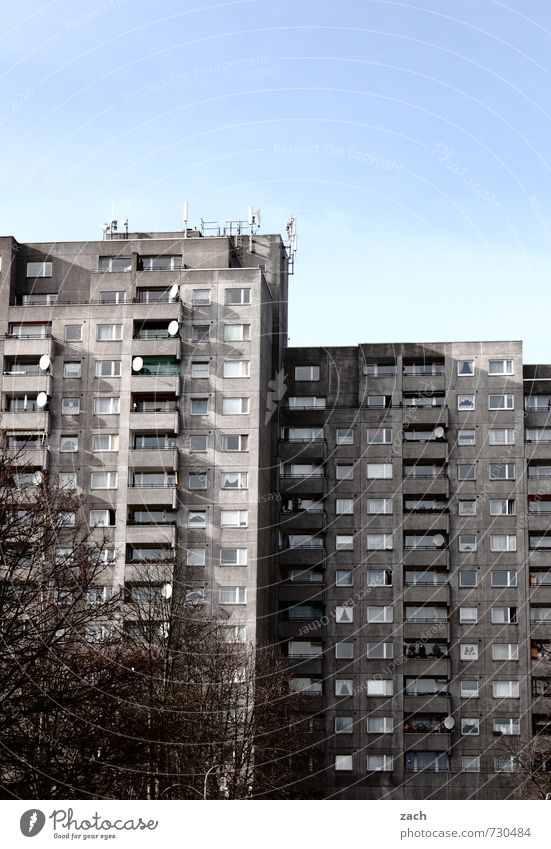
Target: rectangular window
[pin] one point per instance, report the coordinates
(379, 763)
(344, 763)
(380, 542)
(379, 687)
(503, 542)
(196, 556)
(102, 518)
(73, 332)
(467, 579)
(166, 262)
(235, 442)
(466, 471)
(345, 436)
(469, 690)
(380, 725)
(344, 614)
(109, 332)
(502, 507)
(232, 595)
(237, 368)
(508, 727)
(501, 436)
(307, 373)
(379, 435)
(67, 480)
(344, 724)
(468, 615)
(112, 297)
(344, 542)
(379, 578)
(500, 367)
(466, 437)
(199, 370)
(380, 651)
(505, 651)
(502, 471)
(200, 297)
(105, 442)
(237, 296)
(470, 726)
(237, 332)
(501, 402)
(380, 614)
(344, 687)
(235, 480)
(470, 763)
(71, 369)
(344, 471)
(197, 480)
(199, 406)
(107, 406)
(103, 480)
(108, 368)
(198, 442)
(233, 556)
(467, 542)
(505, 763)
(115, 263)
(379, 506)
(468, 651)
(306, 402)
(501, 578)
(197, 519)
(506, 690)
(465, 368)
(465, 402)
(235, 406)
(467, 507)
(344, 651)
(379, 471)
(69, 443)
(39, 269)
(344, 506)
(234, 518)
(200, 332)
(70, 406)
(343, 578)
(504, 616)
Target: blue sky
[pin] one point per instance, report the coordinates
(410, 140)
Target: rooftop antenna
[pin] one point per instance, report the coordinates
(186, 217)
(253, 217)
(126, 228)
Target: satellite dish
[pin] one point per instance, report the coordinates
(449, 723)
(41, 400)
(173, 328)
(174, 289)
(166, 591)
(44, 362)
(137, 364)
(438, 540)
(438, 432)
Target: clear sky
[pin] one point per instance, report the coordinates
(410, 139)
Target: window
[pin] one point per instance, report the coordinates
(166, 262)
(105, 442)
(509, 727)
(470, 763)
(379, 370)
(500, 367)
(237, 368)
(466, 471)
(380, 614)
(109, 332)
(503, 542)
(310, 373)
(197, 480)
(199, 370)
(343, 763)
(501, 402)
(504, 579)
(306, 402)
(196, 556)
(70, 406)
(344, 506)
(468, 651)
(234, 518)
(467, 578)
(197, 519)
(469, 690)
(199, 406)
(39, 269)
(467, 542)
(343, 578)
(344, 725)
(237, 296)
(380, 542)
(470, 726)
(468, 615)
(235, 406)
(379, 763)
(235, 480)
(233, 556)
(108, 368)
(466, 437)
(344, 651)
(504, 616)
(345, 436)
(200, 297)
(73, 332)
(380, 725)
(505, 763)
(465, 368)
(112, 297)
(379, 578)
(502, 471)
(506, 690)
(344, 542)
(429, 761)
(107, 406)
(380, 651)
(102, 518)
(198, 442)
(344, 687)
(69, 443)
(232, 595)
(67, 480)
(115, 263)
(501, 436)
(200, 332)
(465, 402)
(379, 471)
(344, 614)
(67, 519)
(378, 506)
(467, 507)
(379, 687)
(103, 480)
(235, 442)
(379, 435)
(71, 369)
(344, 471)
(505, 651)
(503, 507)
(237, 332)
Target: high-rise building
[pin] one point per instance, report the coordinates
(414, 593)
(136, 369)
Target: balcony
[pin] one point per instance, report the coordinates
(153, 572)
(299, 557)
(27, 384)
(301, 594)
(427, 631)
(302, 484)
(158, 495)
(15, 346)
(429, 557)
(298, 451)
(426, 594)
(425, 451)
(167, 422)
(154, 458)
(425, 415)
(302, 520)
(437, 741)
(35, 458)
(435, 522)
(425, 487)
(429, 703)
(302, 416)
(436, 667)
(26, 421)
(165, 346)
(162, 534)
(169, 383)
